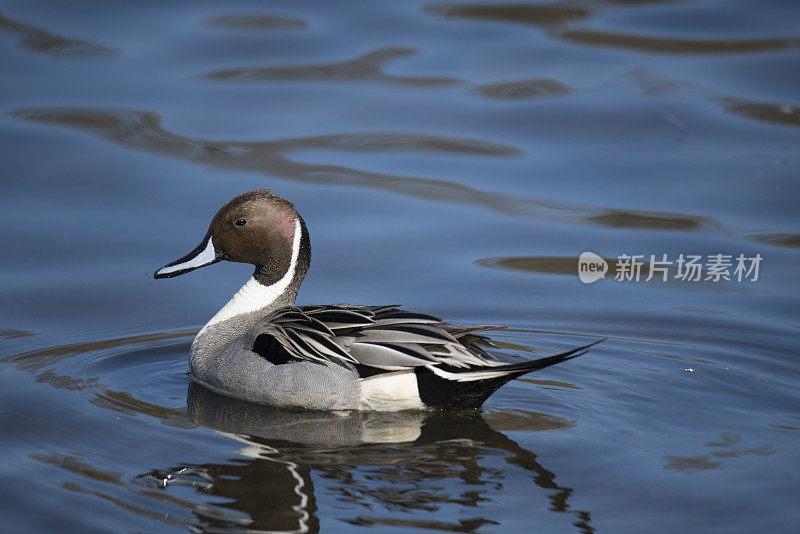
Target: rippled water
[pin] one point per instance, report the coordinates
(453, 157)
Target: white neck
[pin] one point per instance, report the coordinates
(254, 295)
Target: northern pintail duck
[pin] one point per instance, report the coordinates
(262, 348)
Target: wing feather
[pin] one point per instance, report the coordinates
(384, 338)
(386, 357)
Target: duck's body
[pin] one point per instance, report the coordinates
(262, 348)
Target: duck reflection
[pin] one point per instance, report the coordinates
(318, 429)
(295, 470)
(400, 467)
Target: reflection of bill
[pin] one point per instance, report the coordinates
(591, 267)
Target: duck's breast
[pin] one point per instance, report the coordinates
(239, 372)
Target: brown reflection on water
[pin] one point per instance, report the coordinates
(39, 40)
(779, 240)
(74, 465)
(537, 264)
(643, 43)
(256, 22)
(541, 15)
(143, 131)
(729, 446)
(560, 18)
(522, 89)
(616, 218)
(783, 114)
(637, 2)
(366, 67)
(547, 265)
(13, 333)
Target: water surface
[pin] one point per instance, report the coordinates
(453, 157)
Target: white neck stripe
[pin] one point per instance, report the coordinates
(254, 295)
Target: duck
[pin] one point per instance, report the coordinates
(263, 348)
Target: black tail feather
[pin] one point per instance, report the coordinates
(534, 365)
(441, 393)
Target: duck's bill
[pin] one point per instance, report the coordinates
(203, 255)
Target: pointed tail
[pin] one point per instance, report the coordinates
(454, 389)
(534, 365)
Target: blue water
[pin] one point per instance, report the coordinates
(455, 158)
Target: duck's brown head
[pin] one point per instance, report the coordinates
(257, 227)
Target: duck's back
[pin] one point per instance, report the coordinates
(335, 357)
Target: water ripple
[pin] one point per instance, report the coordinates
(107, 371)
(782, 114)
(541, 15)
(281, 450)
(673, 45)
(366, 67)
(560, 18)
(143, 131)
(37, 359)
(39, 40)
(778, 239)
(616, 218)
(729, 446)
(256, 22)
(522, 89)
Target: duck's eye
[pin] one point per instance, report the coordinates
(240, 222)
